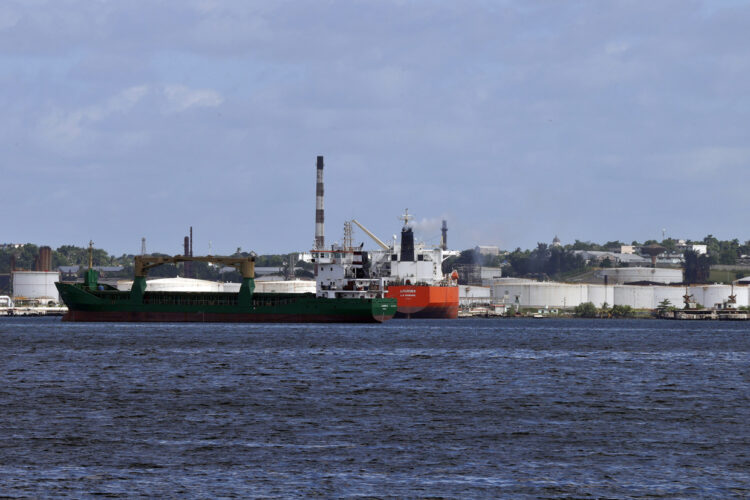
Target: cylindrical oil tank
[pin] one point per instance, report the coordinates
(711, 295)
(599, 294)
(743, 296)
(623, 275)
(672, 293)
(637, 297)
(540, 294)
(36, 285)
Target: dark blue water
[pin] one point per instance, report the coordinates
(465, 408)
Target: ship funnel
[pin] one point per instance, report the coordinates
(319, 214)
(407, 245)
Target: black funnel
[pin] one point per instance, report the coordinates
(407, 245)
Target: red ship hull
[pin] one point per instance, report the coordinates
(425, 301)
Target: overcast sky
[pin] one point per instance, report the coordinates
(513, 120)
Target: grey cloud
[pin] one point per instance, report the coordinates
(516, 118)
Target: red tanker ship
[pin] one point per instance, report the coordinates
(413, 276)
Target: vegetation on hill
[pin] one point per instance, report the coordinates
(560, 262)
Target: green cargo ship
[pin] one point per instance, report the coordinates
(92, 301)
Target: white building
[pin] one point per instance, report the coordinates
(698, 248)
(487, 250)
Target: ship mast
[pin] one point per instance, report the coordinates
(406, 217)
(348, 236)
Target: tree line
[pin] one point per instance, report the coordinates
(557, 262)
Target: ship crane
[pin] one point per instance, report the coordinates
(374, 238)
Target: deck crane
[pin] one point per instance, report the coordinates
(374, 238)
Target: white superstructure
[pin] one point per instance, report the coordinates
(408, 262)
(341, 274)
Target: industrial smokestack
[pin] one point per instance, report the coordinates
(191, 241)
(45, 259)
(319, 214)
(444, 229)
(186, 267)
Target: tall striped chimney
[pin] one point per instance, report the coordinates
(319, 215)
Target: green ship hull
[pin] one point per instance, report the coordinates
(90, 301)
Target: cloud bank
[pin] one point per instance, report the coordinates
(514, 120)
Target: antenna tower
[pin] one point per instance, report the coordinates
(406, 217)
(348, 237)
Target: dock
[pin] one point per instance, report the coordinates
(32, 311)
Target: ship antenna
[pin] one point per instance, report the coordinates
(406, 217)
(348, 236)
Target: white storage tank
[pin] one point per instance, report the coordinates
(539, 294)
(743, 296)
(36, 285)
(623, 275)
(672, 293)
(599, 294)
(558, 295)
(637, 297)
(711, 295)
